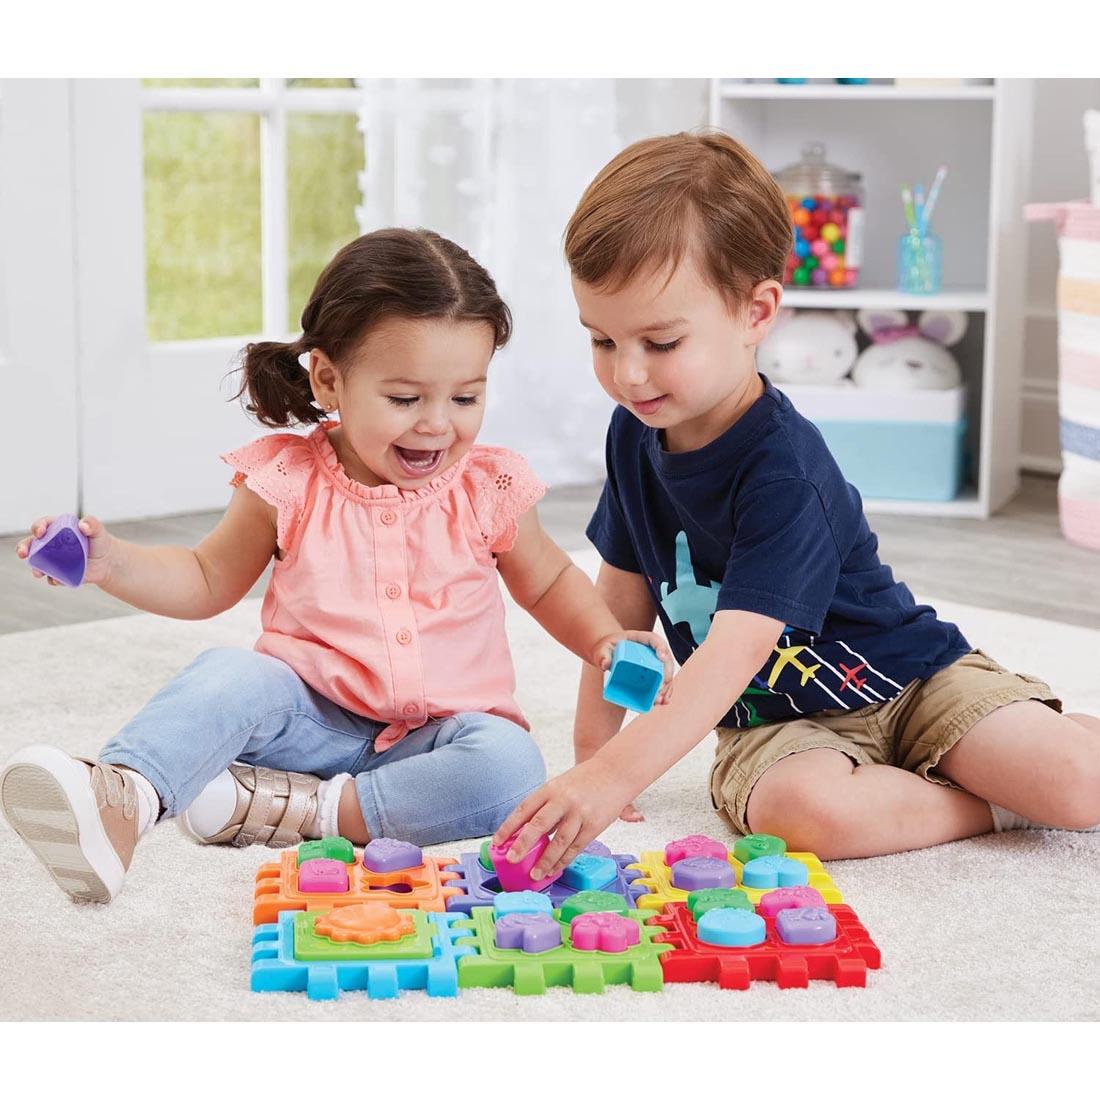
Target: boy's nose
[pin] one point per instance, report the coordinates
(629, 371)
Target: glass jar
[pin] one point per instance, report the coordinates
(826, 205)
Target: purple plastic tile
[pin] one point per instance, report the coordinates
(531, 933)
(603, 932)
(688, 847)
(323, 876)
(384, 855)
(702, 873)
(806, 926)
(62, 552)
(598, 848)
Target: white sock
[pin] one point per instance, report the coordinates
(326, 820)
(148, 801)
(1006, 820)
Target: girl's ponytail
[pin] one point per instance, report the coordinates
(278, 387)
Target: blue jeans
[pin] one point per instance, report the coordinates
(452, 778)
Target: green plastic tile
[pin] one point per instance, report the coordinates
(328, 847)
(756, 845)
(592, 901)
(703, 901)
(310, 947)
(483, 858)
(585, 971)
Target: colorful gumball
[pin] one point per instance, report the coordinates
(850, 276)
(830, 232)
(801, 217)
(811, 262)
(819, 217)
(809, 202)
(810, 232)
(801, 276)
(819, 247)
(839, 247)
(819, 277)
(802, 248)
(837, 277)
(829, 262)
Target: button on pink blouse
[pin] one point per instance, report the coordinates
(387, 600)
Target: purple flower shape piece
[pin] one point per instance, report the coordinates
(806, 926)
(531, 933)
(384, 855)
(604, 932)
(702, 873)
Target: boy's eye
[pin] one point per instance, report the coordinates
(402, 402)
(664, 347)
(605, 343)
(466, 400)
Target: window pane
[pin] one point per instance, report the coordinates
(324, 159)
(320, 82)
(202, 82)
(202, 225)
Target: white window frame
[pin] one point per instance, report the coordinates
(272, 101)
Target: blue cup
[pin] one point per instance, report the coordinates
(920, 263)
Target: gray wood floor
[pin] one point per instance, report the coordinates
(1016, 561)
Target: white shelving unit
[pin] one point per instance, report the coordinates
(894, 135)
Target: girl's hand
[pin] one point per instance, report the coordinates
(576, 807)
(99, 548)
(601, 656)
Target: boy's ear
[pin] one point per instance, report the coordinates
(763, 310)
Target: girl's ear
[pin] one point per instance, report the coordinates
(322, 379)
(944, 326)
(875, 320)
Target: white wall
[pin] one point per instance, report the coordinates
(1059, 171)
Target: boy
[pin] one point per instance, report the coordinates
(851, 721)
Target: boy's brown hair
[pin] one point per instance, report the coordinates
(664, 197)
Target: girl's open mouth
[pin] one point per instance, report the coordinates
(418, 463)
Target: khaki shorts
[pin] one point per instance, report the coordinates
(911, 731)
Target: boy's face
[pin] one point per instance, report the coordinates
(672, 352)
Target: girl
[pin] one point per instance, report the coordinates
(378, 699)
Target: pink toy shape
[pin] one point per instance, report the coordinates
(532, 933)
(62, 552)
(789, 897)
(384, 855)
(806, 926)
(694, 845)
(604, 932)
(702, 873)
(517, 876)
(323, 876)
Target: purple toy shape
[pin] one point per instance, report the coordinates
(532, 933)
(384, 855)
(701, 873)
(806, 927)
(694, 845)
(789, 897)
(323, 876)
(604, 932)
(62, 552)
(598, 848)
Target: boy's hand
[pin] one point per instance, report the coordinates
(576, 807)
(99, 548)
(601, 656)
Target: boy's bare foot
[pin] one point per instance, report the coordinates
(79, 818)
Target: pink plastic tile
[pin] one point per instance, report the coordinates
(323, 876)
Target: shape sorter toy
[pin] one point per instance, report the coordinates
(597, 868)
(341, 919)
(758, 863)
(328, 873)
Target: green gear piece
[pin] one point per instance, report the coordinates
(483, 857)
(756, 845)
(591, 901)
(703, 901)
(328, 847)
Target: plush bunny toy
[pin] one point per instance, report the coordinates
(909, 357)
(817, 347)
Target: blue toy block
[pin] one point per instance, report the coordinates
(767, 872)
(275, 968)
(521, 901)
(482, 888)
(589, 872)
(635, 676)
(731, 928)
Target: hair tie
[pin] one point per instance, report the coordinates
(303, 360)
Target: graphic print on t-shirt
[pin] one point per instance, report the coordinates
(689, 602)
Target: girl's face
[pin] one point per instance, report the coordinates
(411, 398)
(672, 352)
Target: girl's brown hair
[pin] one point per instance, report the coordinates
(388, 273)
(666, 196)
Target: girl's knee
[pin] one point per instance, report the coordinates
(241, 673)
(506, 752)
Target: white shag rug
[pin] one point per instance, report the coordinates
(993, 928)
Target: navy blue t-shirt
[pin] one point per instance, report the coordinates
(761, 519)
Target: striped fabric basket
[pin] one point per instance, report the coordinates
(1078, 225)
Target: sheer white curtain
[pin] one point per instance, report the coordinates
(499, 166)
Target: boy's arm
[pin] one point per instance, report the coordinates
(579, 804)
(560, 597)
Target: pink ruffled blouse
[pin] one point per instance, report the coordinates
(386, 600)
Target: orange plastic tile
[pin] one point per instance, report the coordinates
(425, 887)
(371, 922)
